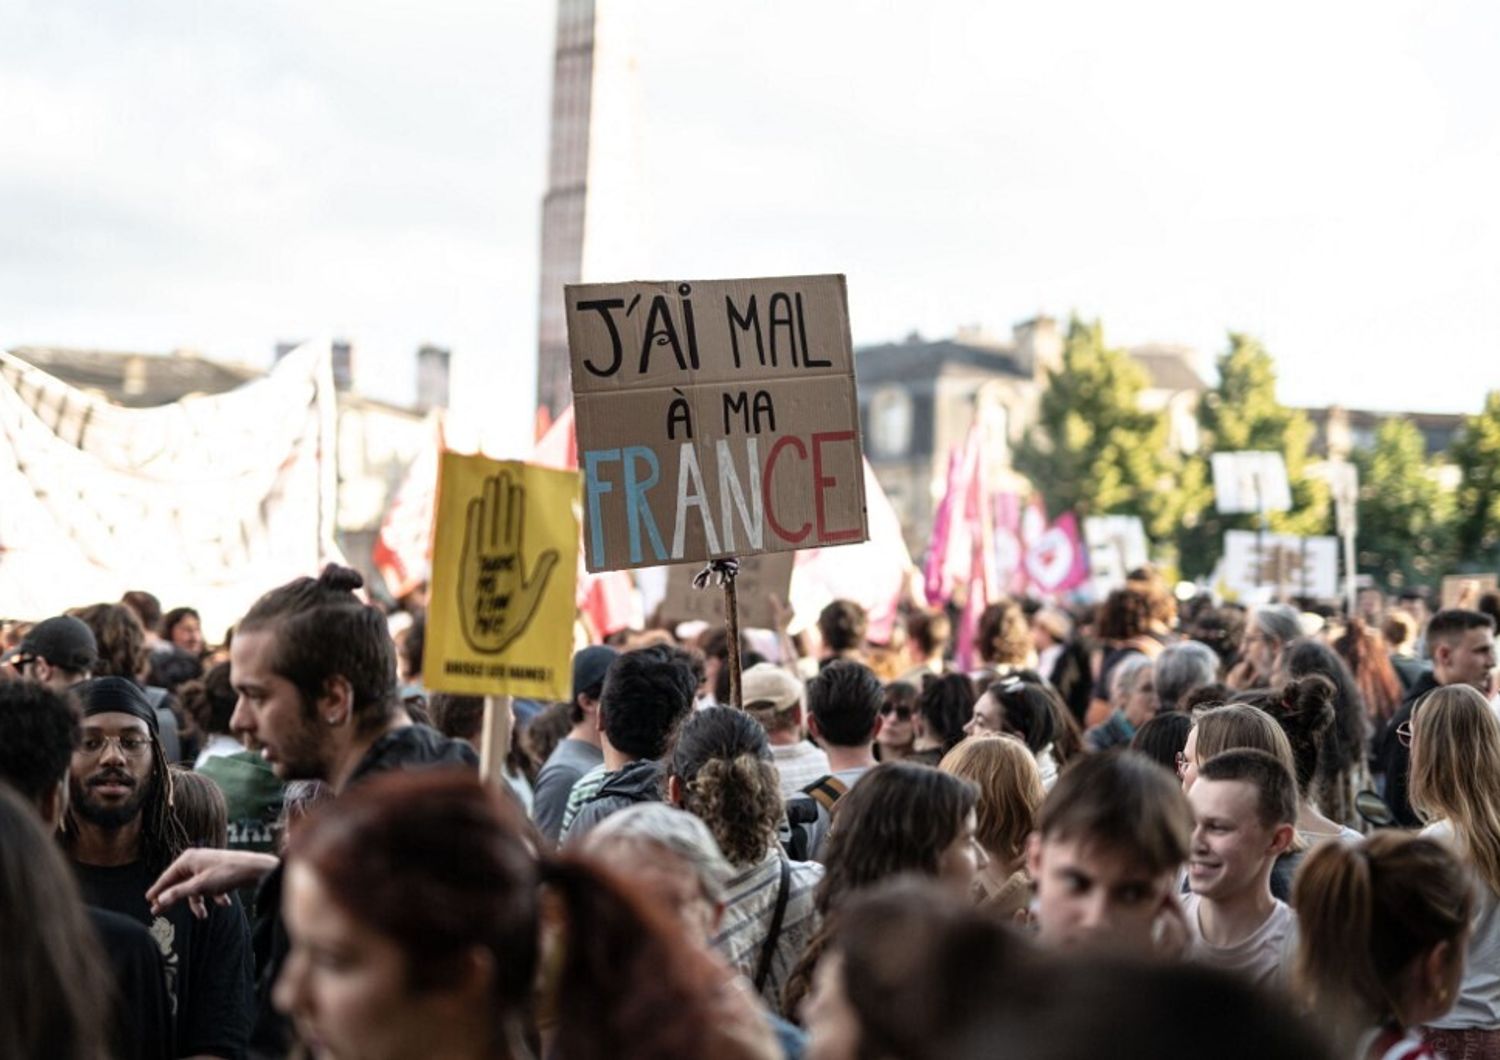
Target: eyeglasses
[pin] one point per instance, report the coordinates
(902, 713)
(131, 744)
(1403, 733)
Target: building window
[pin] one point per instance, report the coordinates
(890, 422)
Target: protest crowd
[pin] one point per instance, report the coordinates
(1144, 827)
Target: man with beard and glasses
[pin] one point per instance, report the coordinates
(315, 672)
(39, 732)
(121, 832)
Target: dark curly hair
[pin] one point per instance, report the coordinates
(120, 636)
(1304, 710)
(1124, 614)
(210, 702)
(1004, 636)
(722, 759)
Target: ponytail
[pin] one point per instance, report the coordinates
(722, 760)
(740, 800)
(1365, 912)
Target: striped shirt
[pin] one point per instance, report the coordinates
(584, 789)
(750, 906)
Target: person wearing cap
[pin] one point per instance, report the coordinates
(121, 832)
(39, 731)
(773, 697)
(579, 751)
(58, 652)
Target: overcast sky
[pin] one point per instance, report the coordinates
(221, 175)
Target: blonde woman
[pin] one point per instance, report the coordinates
(1455, 787)
(1010, 792)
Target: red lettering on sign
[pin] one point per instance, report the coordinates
(821, 483)
(765, 488)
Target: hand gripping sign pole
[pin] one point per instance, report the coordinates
(722, 572)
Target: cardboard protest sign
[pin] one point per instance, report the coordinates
(1464, 590)
(715, 419)
(1296, 566)
(504, 569)
(760, 578)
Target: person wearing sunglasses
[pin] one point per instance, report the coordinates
(121, 831)
(58, 652)
(897, 732)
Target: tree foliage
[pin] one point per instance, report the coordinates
(1094, 449)
(1476, 453)
(1404, 511)
(1241, 413)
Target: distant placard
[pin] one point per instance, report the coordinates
(1282, 563)
(1117, 546)
(504, 569)
(715, 419)
(760, 578)
(1456, 585)
(1250, 482)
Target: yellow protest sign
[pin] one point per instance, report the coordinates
(504, 570)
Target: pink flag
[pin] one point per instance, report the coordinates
(1056, 560)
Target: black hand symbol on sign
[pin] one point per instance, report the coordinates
(495, 597)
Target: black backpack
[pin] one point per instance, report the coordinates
(802, 814)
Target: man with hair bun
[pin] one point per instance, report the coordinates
(315, 672)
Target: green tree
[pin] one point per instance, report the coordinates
(1476, 452)
(1242, 413)
(1404, 511)
(1094, 450)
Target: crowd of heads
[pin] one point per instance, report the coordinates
(1139, 826)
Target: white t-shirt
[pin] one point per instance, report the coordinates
(798, 765)
(1478, 1003)
(1263, 956)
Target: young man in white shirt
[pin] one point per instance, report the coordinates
(1245, 814)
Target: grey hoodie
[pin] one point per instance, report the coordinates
(637, 782)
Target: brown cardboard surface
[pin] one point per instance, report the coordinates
(1453, 587)
(760, 578)
(715, 419)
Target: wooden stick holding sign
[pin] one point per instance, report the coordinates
(722, 572)
(494, 739)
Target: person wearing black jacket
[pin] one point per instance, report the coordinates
(39, 730)
(1462, 646)
(315, 671)
(121, 831)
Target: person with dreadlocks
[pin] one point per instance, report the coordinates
(121, 833)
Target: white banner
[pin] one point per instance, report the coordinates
(206, 502)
